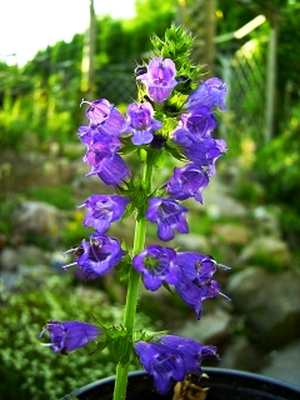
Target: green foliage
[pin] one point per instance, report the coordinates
(248, 192)
(231, 16)
(60, 197)
(30, 371)
(40, 101)
(288, 55)
(6, 208)
(277, 166)
(74, 231)
(15, 117)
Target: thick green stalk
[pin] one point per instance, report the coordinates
(132, 291)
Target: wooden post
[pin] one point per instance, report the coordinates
(271, 83)
(199, 17)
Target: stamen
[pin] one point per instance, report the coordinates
(78, 251)
(225, 297)
(69, 265)
(42, 333)
(64, 253)
(85, 102)
(222, 266)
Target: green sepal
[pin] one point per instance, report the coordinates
(120, 344)
(139, 195)
(159, 192)
(103, 340)
(128, 147)
(185, 86)
(146, 335)
(122, 350)
(167, 287)
(175, 151)
(128, 210)
(157, 157)
(124, 267)
(101, 345)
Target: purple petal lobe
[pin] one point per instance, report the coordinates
(99, 255)
(168, 215)
(159, 79)
(156, 265)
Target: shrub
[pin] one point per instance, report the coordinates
(30, 371)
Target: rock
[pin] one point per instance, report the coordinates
(232, 234)
(213, 328)
(284, 364)
(219, 204)
(38, 218)
(268, 251)
(11, 258)
(242, 355)
(30, 168)
(192, 242)
(270, 303)
(27, 277)
(267, 220)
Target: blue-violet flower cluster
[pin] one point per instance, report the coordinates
(152, 133)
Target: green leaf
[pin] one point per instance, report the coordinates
(128, 147)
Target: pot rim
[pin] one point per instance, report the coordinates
(217, 375)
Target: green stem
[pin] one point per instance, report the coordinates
(132, 291)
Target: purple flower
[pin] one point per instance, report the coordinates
(159, 79)
(97, 256)
(70, 335)
(191, 351)
(96, 141)
(199, 121)
(172, 358)
(203, 151)
(105, 116)
(102, 210)
(187, 182)
(141, 123)
(162, 362)
(206, 152)
(85, 135)
(156, 264)
(196, 284)
(211, 93)
(109, 166)
(168, 215)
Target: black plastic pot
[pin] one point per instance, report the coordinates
(223, 384)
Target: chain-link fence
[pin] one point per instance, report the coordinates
(117, 84)
(245, 72)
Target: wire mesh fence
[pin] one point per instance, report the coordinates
(246, 74)
(117, 85)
